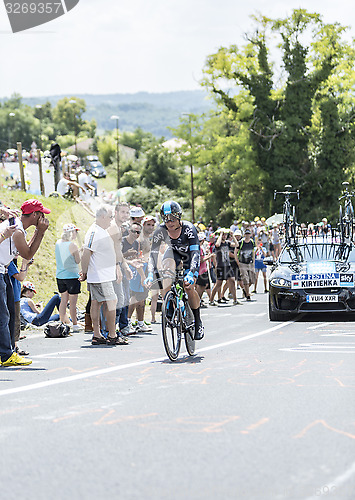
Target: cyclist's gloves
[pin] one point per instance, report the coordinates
(189, 278)
(149, 279)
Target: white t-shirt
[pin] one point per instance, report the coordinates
(8, 250)
(62, 186)
(83, 179)
(102, 265)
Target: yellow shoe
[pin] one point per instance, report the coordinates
(16, 360)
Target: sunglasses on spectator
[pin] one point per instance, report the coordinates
(133, 231)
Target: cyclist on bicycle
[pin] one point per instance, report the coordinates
(183, 248)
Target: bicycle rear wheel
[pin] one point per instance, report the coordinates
(349, 215)
(190, 330)
(171, 326)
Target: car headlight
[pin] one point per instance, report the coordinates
(280, 282)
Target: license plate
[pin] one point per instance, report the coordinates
(322, 298)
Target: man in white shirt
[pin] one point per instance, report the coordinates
(84, 182)
(99, 268)
(65, 182)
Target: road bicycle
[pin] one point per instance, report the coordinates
(289, 214)
(177, 317)
(346, 216)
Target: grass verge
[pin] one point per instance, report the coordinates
(43, 270)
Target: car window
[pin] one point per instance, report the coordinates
(317, 252)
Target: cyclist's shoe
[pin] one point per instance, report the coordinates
(16, 360)
(199, 332)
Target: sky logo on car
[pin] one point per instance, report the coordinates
(26, 14)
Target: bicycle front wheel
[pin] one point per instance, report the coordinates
(171, 326)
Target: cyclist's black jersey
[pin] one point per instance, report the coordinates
(185, 249)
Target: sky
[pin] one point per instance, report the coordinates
(112, 46)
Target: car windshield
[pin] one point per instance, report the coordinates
(310, 252)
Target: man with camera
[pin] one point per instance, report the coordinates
(13, 243)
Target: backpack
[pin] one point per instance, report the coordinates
(241, 257)
(56, 329)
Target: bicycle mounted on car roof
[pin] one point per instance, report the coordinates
(346, 216)
(289, 221)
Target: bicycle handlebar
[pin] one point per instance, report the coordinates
(166, 273)
(347, 195)
(287, 193)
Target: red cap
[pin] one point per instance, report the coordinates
(30, 206)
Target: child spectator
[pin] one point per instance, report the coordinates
(16, 277)
(260, 254)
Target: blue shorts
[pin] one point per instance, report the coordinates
(260, 266)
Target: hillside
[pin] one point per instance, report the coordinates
(152, 112)
(42, 272)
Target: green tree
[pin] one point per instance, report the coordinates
(17, 124)
(160, 168)
(286, 119)
(67, 116)
(138, 140)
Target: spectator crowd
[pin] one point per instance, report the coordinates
(113, 261)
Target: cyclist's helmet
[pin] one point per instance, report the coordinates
(170, 208)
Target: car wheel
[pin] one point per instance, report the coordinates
(276, 315)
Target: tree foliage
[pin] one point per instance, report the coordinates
(300, 126)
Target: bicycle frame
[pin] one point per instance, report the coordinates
(290, 230)
(346, 216)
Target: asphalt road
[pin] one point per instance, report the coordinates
(32, 174)
(262, 411)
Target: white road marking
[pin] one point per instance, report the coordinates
(54, 353)
(331, 347)
(315, 327)
(338, 334)
(329, 489)
(250, 314)
(111, 369)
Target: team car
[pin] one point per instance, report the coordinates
(310, 277)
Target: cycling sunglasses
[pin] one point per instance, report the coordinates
(169, 217)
